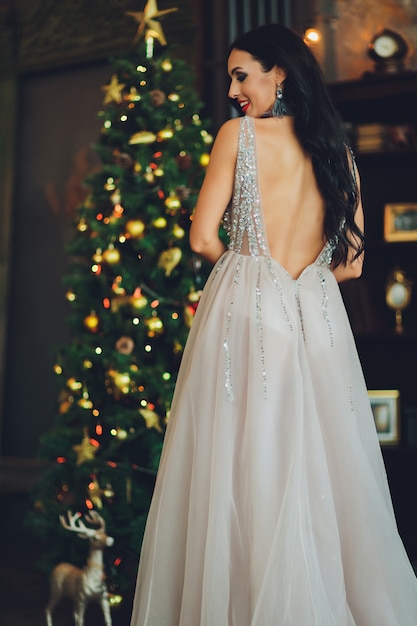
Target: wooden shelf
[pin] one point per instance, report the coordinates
(374, 87)
(377, 98)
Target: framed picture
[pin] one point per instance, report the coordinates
(385, 405)
(400, 222)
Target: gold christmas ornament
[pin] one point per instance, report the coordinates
(117, 287)
(98, 256)
(111, 255)
(115, 599)
(109, 185)
(147, 22)
(92, 322)
(133, 95)
(165, 133)
(121, 380)
(204, 159)
(135, 228)
(159, 222)
(70, 296)
(155, 326)
(142, 137)
(118, 211)
(169, 259)
(113, 91)
(194, 296)
(151, 418)
(108, 491)
(178, 232)
(87, 449)
(208, 139)
(85, 403)
(121, 434)
(173, 202)
(138, 300)
(177, 348)
(149, 176)
(116, 197)
(82, 225)
(166, 65)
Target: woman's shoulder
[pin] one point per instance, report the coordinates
(230, 128)
(228, 136)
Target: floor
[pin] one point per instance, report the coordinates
(23, 596)
(23, 589)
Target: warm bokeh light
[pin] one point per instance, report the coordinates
(312, 36)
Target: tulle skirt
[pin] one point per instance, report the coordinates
(271, 506)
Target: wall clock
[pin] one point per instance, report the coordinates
(388, 49)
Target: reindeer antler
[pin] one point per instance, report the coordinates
(94, 518)
(81, 529)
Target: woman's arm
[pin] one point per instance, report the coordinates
(353, 267)
(215, 194)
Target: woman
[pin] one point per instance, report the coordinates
(271, 506)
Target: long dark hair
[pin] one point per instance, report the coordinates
(318, 128)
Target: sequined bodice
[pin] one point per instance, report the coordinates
(243, 220)
(244, 223)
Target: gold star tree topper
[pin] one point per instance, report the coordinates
(148, 23)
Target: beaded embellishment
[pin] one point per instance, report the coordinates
(243, 221)
(244, 218)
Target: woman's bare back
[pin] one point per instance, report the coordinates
(293, 208)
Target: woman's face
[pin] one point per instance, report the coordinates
(252, 87)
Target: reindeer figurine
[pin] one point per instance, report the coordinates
(88, 583)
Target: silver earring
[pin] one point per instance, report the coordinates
(278, 109)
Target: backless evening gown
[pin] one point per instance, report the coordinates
(271, 505)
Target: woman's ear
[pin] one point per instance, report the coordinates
(280, 74)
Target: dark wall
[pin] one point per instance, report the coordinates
(57, 123)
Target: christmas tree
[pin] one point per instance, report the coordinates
(133, 286)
